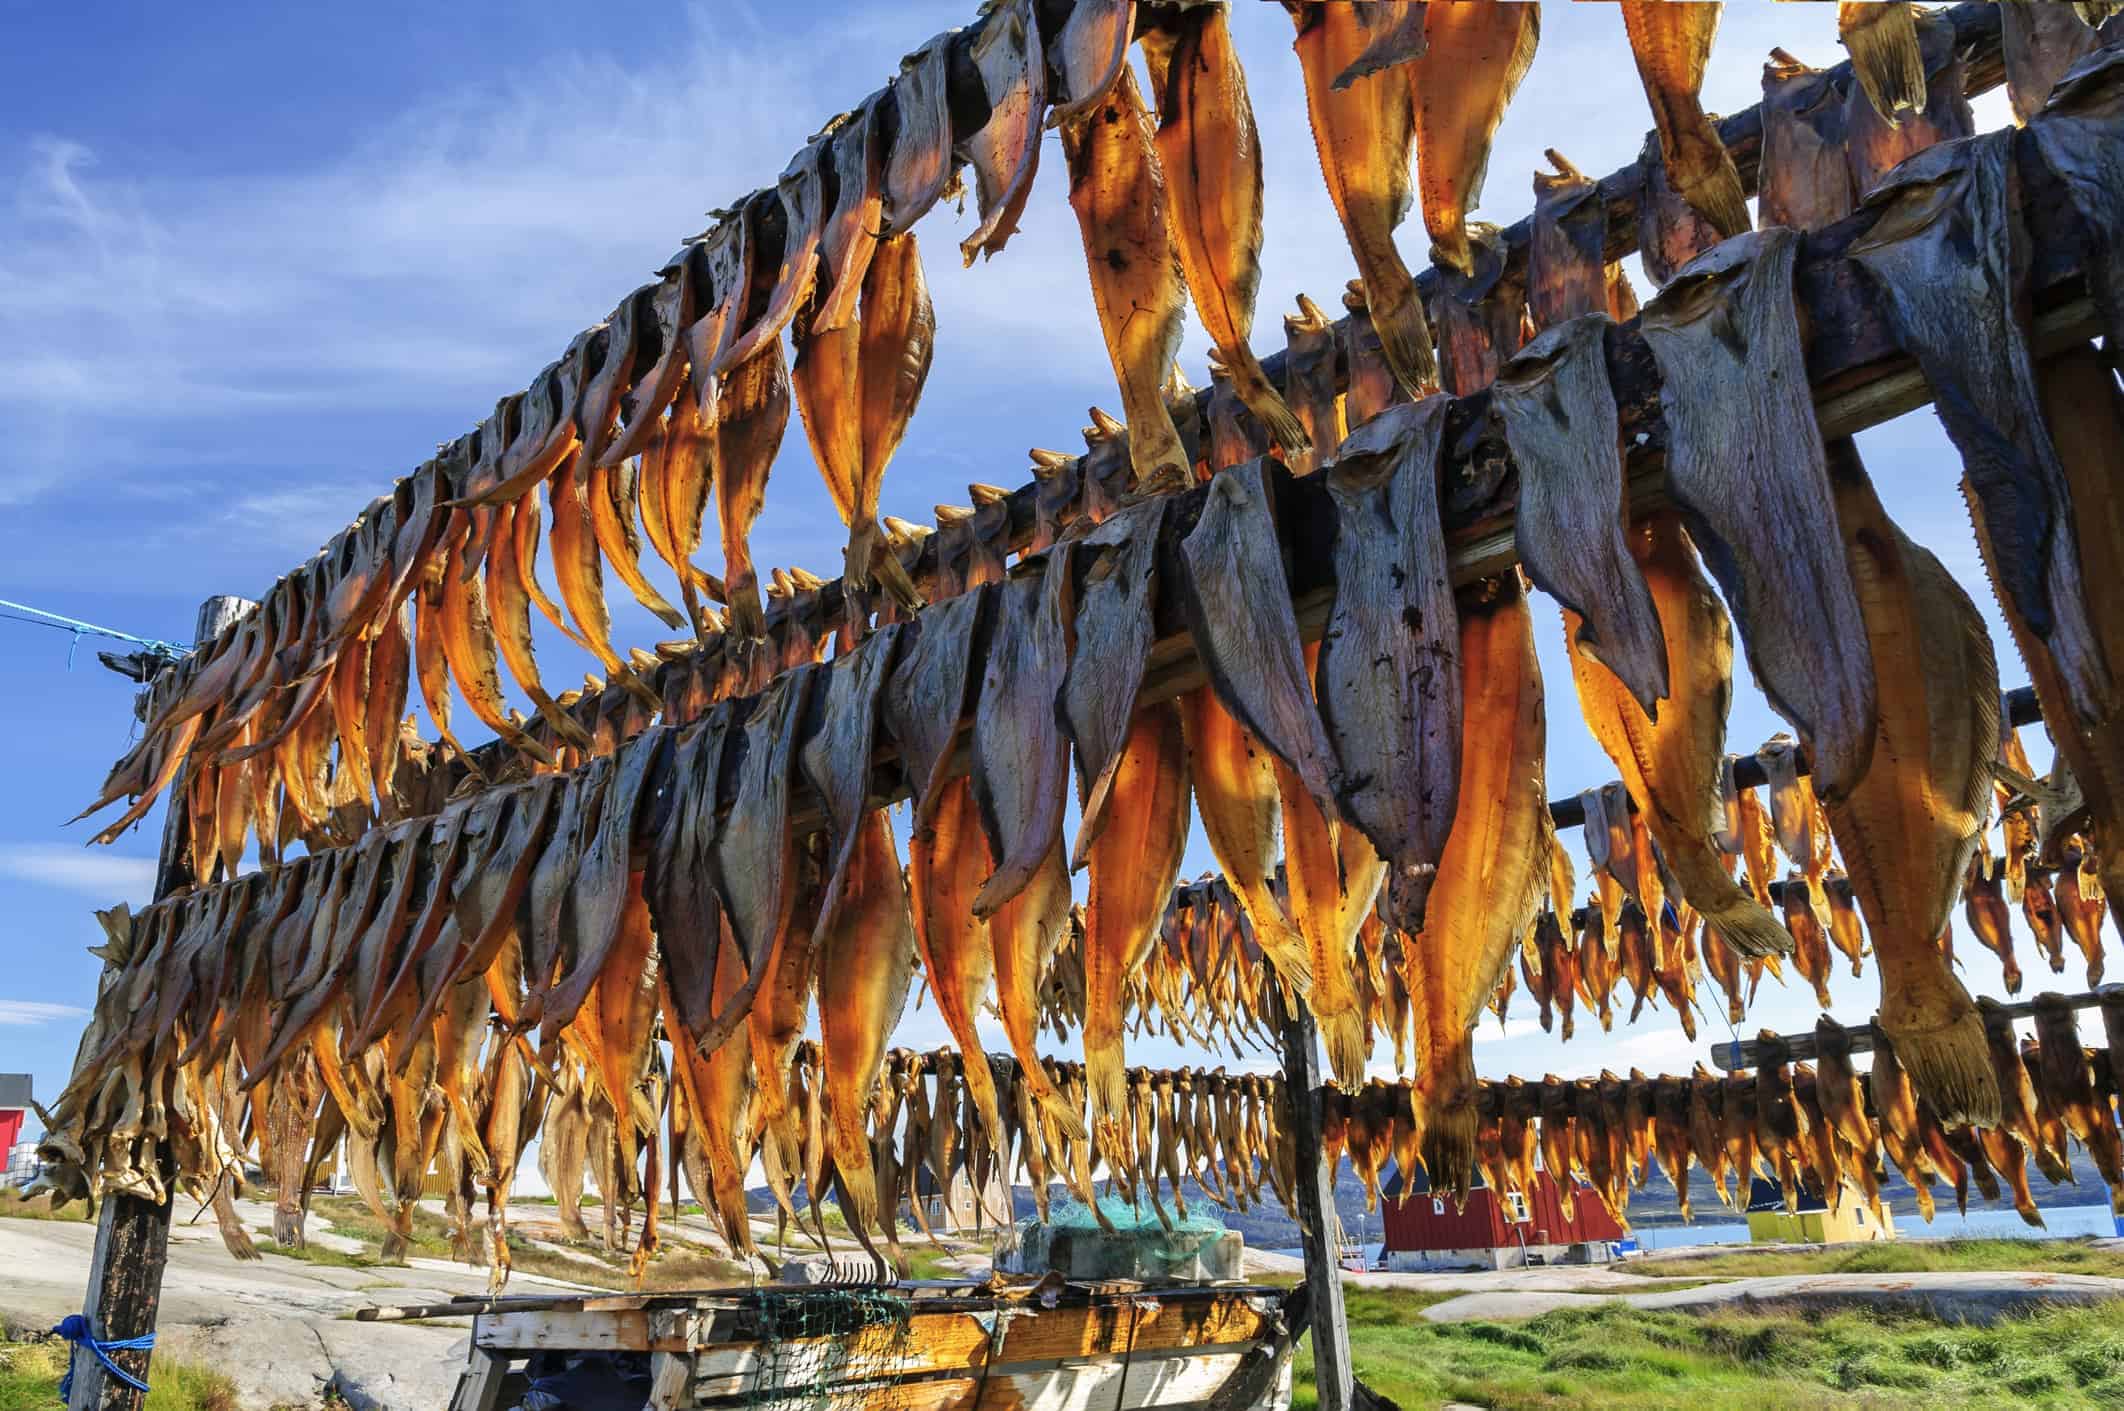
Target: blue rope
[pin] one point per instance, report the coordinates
(75, 1329)
(40, 618)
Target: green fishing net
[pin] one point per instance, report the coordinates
(828, 1347)
(1170, 1246)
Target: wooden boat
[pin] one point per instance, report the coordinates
(1040, 1346)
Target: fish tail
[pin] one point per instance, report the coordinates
(1449, 1148)
(1950, 1065)
(1406, 340)
(1342, 1035)
(1748, 929)
(1262, 399)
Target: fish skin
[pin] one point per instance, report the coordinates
(526, 533)
(720, 1087)
(1133, 865)
(1089, 56)
(1372, 385)
(1984, 911)
(1907, 832)
(2080, 905)
(921, 162)
(1118, 190)
(598, 909)
(1567, 265)
(680, 885)
(1490, 879)
(1210, 151)
(1846, 932)
(801, 190)
(1113, 631)
(1883, 43)
(1239, 610)
(2075, 136)
(836, 758)
(1020, 754)
(848, 236)
(1941, 251)
(1671, 763)
(1805, 181)
(578, 570)
(756, 865)
(1672, 46)
(1389, 676)
(775, 1024)
(932, 690)
(1874, 146)
(1005, 153)
(1474, 59)
(1784, 580)
(1365, 136)
(553, 878)
(1309, 379)
(1558, 410)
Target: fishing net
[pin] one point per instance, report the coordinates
(828, 1347)
(1158, 1248)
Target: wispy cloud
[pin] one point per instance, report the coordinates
(94, 872)
(21, 1013)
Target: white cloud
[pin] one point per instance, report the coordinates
(23, 1012)
(95, 872)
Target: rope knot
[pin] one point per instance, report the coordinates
(75, 1328)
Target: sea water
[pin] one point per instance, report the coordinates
(2059, 1222)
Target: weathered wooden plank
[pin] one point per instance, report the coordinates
(622, 1330)
(1318, 1226)
(1805, 1047)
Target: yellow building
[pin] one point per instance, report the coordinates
(1769, 1223)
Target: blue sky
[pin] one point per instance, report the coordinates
(256, 260)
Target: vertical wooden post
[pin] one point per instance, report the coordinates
(133, 1234)
(1333, 1380)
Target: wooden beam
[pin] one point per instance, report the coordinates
(1318, 1226)
(1803, 1047)
(132, 1233)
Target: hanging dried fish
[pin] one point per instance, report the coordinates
(1805, 180)
(1474, 58)
(1672, 47)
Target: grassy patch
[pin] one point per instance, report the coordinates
(1620, 1359)
(14, 1207)
(2077, 1256)
(30, 1373)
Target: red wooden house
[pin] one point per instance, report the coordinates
(14, 1113)
(1427, 1232)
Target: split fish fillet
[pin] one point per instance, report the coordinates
(931, 690)
(1390, 671)
(751, 413)
(1020, 754)
(1728, 330)
(849, 235)
(1113, 631)
(755, 865)
(1005, 153)
(1490, 880)
(945, 870)
(1118, 190)
(1560, 421)
(1985, 912)
(1239, 608)
(679, 880)
(1133, 865)
(1474, 58)
(1672, 46)
(1670, 763)
(1210, 152)
(1365, 135)
(836, 760)
(1090, 54)
(1023, 937)
(1236, 798)
(1907, 831)
(801, 192)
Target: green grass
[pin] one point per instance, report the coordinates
(1615, 1358)
(30, 1373)
(14, 1207)
(1899, 1257)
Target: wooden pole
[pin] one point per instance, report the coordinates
(1317, 1224)
(133, 1234)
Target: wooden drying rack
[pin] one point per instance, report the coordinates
(1860, 378)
